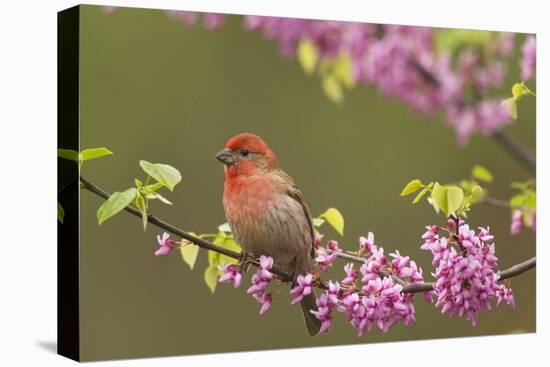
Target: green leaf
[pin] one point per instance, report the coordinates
(482, 174)
(154, 187)
(138, 183)
(477, 192)
(163, 173)
(156, 195)
(342, 70)
(332, 89)
(189, 253)
(517, 200)
(318, 222)
(116, 202)
(517, 91)
(216, 259)
(211, 278)
(335, 219)
(422, 193)
(511, 107)
(448, 199)
(531, 200)
(455, 195)
(411, 187)
(224, 228)
(93, 153)
(438, 197)
(60, 213)
(71, 155)
(307, 55)
(142, 206)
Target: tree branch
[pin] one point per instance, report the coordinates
(287, 277)
(518, 150)
(498, 203)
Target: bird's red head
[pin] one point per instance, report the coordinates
(245, 154)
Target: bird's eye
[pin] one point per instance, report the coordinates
(244, 153)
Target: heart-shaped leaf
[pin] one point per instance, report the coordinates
(335, 219)
(163, 173)
(116, 202)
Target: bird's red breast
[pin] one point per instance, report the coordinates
(263, 206)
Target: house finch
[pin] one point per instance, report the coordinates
(266, 211)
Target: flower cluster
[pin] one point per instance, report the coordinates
(325, 303)
(231, 273)
(380, 304)
(403, 63)
(260, 281)
(466, 275)
(327, 256)
(303, 287)
(378, 300)
(418, 66)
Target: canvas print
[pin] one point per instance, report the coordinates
(241, 182)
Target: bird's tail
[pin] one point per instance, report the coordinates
(312, 323)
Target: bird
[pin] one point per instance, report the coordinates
(266, 211)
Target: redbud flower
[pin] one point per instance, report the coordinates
(165, 243)
(266, 301)
(231, 274)
(213, 20)
(517, 222)
(326, 257)
(505, 294)
(351, 274)
(302, 288)
(365, 244)
(323, 313)
(529, 58)
(260, 282)
(466, 281)
(333, 293)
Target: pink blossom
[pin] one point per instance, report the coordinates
(165, 243)
(517, 222)
(466, 281)
(402, 63)
(366, 244)
(213, 20)
(260, 282)
(323, 313)
(333, 293)
(327, 256)
(266, 301)
(351, 274)
(505, 294)
(302, 288)
(231, 274)
(529, 58)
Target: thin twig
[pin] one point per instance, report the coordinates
(285, 276)
(518, 269)
(498, 203)
(518, 150)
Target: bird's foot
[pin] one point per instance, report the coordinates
(246, 260)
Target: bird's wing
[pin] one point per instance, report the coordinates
(297, 195)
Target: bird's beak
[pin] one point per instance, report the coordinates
(226, 157)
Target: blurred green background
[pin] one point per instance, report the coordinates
(155, 89)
